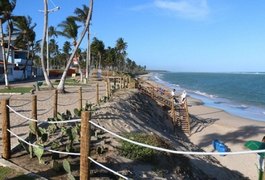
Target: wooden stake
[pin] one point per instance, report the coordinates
(85, 146)
(34, 113)
(80, 98)
(109, 87)
(5, 126)
(97, 93)
(55, 103)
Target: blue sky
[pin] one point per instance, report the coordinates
(175, 35)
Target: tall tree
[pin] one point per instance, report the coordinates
(121, 47)
(6, 9)
(70, 30)
(45, 25)
(51, 33)
(97, 50)
(81, 16)
(26, 37)
(62, 81)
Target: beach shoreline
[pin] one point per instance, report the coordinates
(233, 130)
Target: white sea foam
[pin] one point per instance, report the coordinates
(205, 94)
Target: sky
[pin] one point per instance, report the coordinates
(174, 35)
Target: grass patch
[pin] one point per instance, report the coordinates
(9, 173)
(16, 90)
(136, 152)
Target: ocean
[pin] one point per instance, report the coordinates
(241, 94)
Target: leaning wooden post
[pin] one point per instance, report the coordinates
(34, 113)
(55, 103)
(85, 146)
(80, 98)
(97, 94)
(187, 116)
(5, 126)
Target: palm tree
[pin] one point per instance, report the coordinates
(23, 25)
(70, 30)
(6, 9)
(47, 80)
(81, 16)
(121, 47)
(51, 33)
(62, 81)
(97, 50)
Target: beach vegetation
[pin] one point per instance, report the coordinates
(136, 152)
(12, 173)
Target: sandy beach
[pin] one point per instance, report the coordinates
(209, 123)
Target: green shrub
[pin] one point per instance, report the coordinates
(136, 152)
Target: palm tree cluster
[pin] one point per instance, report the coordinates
(114, 58)
(47, 53)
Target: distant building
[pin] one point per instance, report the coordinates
(17, 64)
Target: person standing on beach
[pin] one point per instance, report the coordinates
(173, 95)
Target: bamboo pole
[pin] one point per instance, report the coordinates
(5, 126)
(85, 146)
(187, 115)
(97, 93)
(80, 98)
(55, 103)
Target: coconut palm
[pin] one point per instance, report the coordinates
(121, 47)
(26, 35)
(47, 80)
(51, 33)
(81, 16)
(97, 51)
(62, 81)
(6, 9)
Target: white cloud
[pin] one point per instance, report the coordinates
(194, 9)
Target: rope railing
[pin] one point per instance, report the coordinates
(18, 99)
(66, 153)
(174, 151)
(16, 106)
(43, 121)
(87, 99)
(45, 112)
(46, 99)
(69, 103)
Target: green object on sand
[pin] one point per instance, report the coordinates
(255, 145)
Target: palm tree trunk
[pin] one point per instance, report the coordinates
(88, 55)
(60, 87)
(47, 80)
(3, 54)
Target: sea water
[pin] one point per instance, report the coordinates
(241, 94)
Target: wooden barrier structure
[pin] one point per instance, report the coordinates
(5, 126)
(179, 111)
(55, 103)
(85, 145)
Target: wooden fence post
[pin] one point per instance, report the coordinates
(97, 93)
(85, 146)
(80, 98)
(34, 113)
(109, 87)
(55, 103)
(5, 126)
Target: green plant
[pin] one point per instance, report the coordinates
(38, 151)
(136, 152)
(67, 168)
